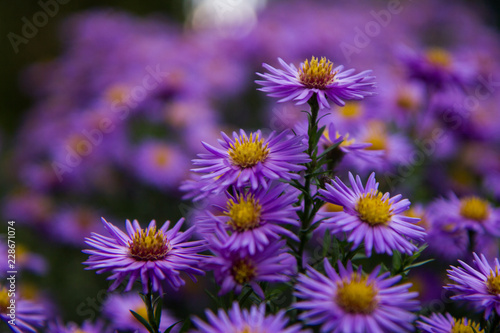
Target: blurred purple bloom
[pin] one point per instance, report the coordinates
(479, 285)
(315, 77)
(151, 255)
(251, 160)
(371, 217)
(160, 164)
(253, 320)
(349, 301)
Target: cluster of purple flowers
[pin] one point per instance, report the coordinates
(294, 222)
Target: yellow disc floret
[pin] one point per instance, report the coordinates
(331, 208)
(4, 299)
(247, 152)
(465, 326)
(377, 136)
(493, 282)
(244, 213)
(243, 271)
(351, 110)
(373, 209)
(149, 245)
(474, 208)
(317, 74)
(438, 57)
(161, 156)
(356, 296)
(141, 310)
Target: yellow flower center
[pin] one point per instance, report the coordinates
(80, 331)
(244, 213)
(4, 299)
(332, 208)
(377, 136)
(243, 271)
(438, 57)
(316, 74)
(413, 213)
(346, 142)
(474, 208)
(460, 326)
(247, 152)
(351, 110)
(356, 296)
(493, 282)
(142, 311)
(149, 245)
(406, 101)
(117, 93)
(161, 156)
(373, 210)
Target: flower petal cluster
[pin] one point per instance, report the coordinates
(251, 160)
(253, 320)
(371, 217)
(151, 255)
(348, 301)
(315, 77)
(479, 285)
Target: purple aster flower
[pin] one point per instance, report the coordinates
(251, 160)
(349, 301)
(25, 317)
(470, 213)
(254, 218)
(117, 309)
(253, 320)
(315, 77)
(436, 67)
(393, 148)
(149, 254)
(235, 269)
(160, 164)
(87, 327)
(439, 323)
(479, 285)
(372, 217)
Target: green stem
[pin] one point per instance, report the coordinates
(148, 301)
(309, 211)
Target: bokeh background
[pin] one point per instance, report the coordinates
(84, 62)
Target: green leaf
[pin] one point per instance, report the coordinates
(329, 149)
(396, 262)
(143, 321)
(171, 327)
(214, 298)
(157, 310)
(407, 268)
(185, 326)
